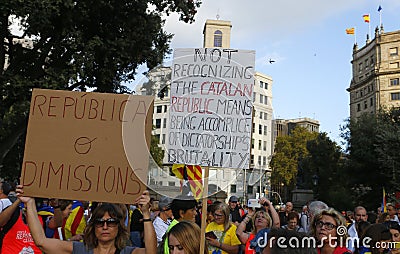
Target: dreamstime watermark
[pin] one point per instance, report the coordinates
(312, 243)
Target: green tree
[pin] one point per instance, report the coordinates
(289, 151)
(75, 45)
(325, 161)
(373, 160)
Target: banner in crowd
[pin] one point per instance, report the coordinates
(87, 146)
(211, 106)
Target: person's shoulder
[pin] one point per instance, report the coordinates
(128, 250)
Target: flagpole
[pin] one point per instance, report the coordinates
(204, 209)
(369, 26)
(355, 35)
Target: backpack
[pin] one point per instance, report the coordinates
(10, 223)
(300, 221)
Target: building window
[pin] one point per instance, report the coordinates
(165, 123)
(249, 189)
(265, 116)
(260, 129)
(163, 139)
(259, 145)
(252, 143)
(265, 146)
(254, 127)
(261, 114)
(264, 160)
(261, 84)
(170, 183)
(394, 81)
(160, 183)
(394, 51)
(218, 38)
(159, 109)
(266, 100)
(158, 138)
(165, 108)
(158, 123)
(371, 102)
(395, 96)
(261, 98)
(394, 65)
(265, 130)
(252, 159)
(259, 160)
(233, 188)
(266, 85)
(360, 67)
(358, 107)
(365, 105)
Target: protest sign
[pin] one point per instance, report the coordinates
(211, 106)
(87, 146)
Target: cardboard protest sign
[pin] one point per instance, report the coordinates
(211, 107)
(87, 146)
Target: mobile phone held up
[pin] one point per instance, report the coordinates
(211, 234)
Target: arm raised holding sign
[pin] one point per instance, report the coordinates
(105, 232)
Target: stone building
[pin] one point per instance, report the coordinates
(376, 73)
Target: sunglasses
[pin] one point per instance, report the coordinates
(328, 225)
(111, 222)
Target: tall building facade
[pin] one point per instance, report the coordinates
(244, 183)
(376, 72)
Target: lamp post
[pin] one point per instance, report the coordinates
(315, 179)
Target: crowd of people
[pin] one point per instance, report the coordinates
(173, 225)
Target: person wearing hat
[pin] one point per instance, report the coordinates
(164, 218)
(235, 213)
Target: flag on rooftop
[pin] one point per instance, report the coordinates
(366, 18)
(379, 8)
(350, 30)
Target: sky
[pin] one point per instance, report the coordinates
(308, 42)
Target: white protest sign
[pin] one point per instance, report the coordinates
(210, 118)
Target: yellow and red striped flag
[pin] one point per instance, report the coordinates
(350, 30)
(366, 18)
(191, 174)
(384, 210)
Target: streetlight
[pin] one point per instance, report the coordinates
(315, 179)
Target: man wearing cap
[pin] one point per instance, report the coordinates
(235, 213)
(163, 220)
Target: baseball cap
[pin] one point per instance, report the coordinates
(164, 202)
(233, 199)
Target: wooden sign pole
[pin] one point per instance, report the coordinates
(204, 210)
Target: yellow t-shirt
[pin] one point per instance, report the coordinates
(230, 237)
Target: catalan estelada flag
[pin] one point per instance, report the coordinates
(383, 207)
(350, 30)
(192, 175)
(366, 18)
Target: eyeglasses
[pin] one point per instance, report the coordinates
(111, 222)
(328, 225)
(218, 215)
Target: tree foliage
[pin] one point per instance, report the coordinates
(373, 158)
(289, 150)
(76, 45)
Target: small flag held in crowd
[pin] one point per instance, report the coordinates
(366, 18)
(383, 207)
(379, 8)
(191, 179)
(350, 30)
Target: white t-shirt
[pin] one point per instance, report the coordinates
(4, 203)
(160, 227)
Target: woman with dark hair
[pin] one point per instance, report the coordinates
(104, 233)
(376, 238)
(184, 238)
(394, 229)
